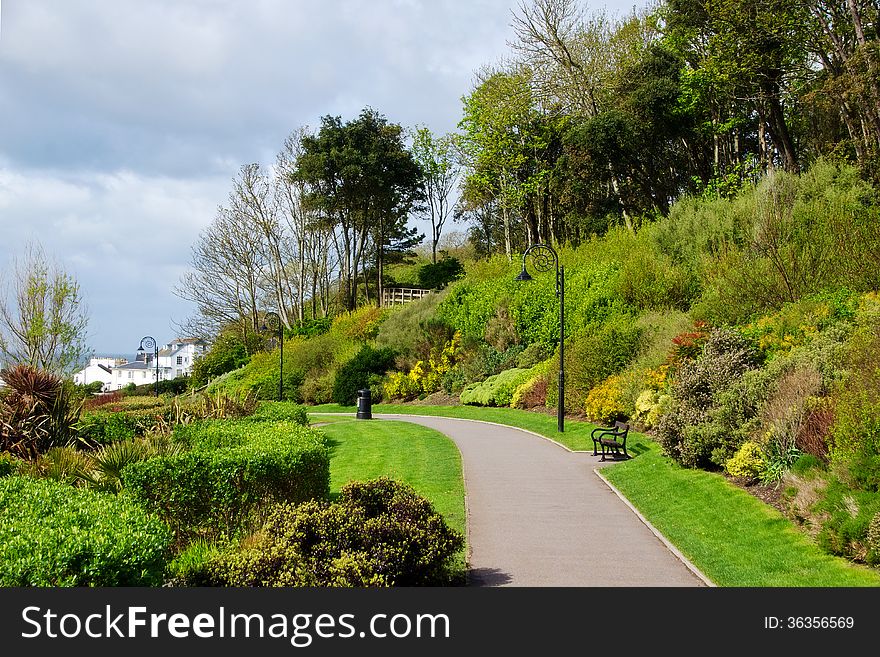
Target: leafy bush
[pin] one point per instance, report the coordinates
(311, 327)
(591, 359)
(497, 390)
(434, 276)
(413, 330)
(55, 535)
(425, 377)
(846, 520)
(281, 411)
(856, 433)
(355, 374)
(228, 352)
(362, 324)
(105, 426)
(604, 403)
(711, 402)
(234, 471)
(378, 533)
(748, 463)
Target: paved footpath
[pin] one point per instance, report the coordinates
(539, 516)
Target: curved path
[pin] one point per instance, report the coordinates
(539, 516)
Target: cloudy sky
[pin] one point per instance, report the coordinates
(123, 122)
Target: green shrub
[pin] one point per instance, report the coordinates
(846, 519)
(712, 402)
(8, 464)
(228, 352)
(355, 374)
(594, 357)
(434, 276)
(413, 330)
(234, 471)
(55, 535)
(105, 426)
(497, 390)
(281, 411)
(378, 533)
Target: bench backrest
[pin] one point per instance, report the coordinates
(622, 427)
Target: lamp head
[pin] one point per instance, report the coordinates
(524, 275)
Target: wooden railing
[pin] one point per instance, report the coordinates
(392, 296)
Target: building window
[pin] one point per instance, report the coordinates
(180, 360)
(131, 375)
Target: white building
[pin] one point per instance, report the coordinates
(175, 360)
(178, 356)
(98, 369)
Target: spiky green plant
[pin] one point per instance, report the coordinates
(37, 412)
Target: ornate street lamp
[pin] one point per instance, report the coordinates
(544, 259)
(149, 342)
(274, 321)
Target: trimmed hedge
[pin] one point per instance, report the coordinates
(235, 471)
(281, 411)
(54, 535)
(102, 427)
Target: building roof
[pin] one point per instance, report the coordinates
(139, 365)
(105, 368)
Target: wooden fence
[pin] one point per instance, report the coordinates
(392, 296)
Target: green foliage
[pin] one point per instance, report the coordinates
(412, 330)
(497, 390)
(311, 327)
(595, 356)
(55, 535)
(855, 436)
(378, 533)
(362, 324)
(847, 521)
(281, 411)
(355, 374)
(712, 402)
(426, 376)
(435, 276)
(233, 472)
(106, 425)
(228, 352)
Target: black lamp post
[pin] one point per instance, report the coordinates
(544, 259)
(274, 320)
(149, 342)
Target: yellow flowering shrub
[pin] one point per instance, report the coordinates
(604, 402)
(426, 376)
(748, 462)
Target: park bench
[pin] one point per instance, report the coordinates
(610, 440)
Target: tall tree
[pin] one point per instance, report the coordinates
(43, 318)
(440, 171)
(359, 178)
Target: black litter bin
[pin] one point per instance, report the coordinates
(364, 405)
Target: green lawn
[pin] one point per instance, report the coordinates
(576, 435)
(421, 457)
(732, 537)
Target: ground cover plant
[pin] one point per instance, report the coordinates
(54, 535)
